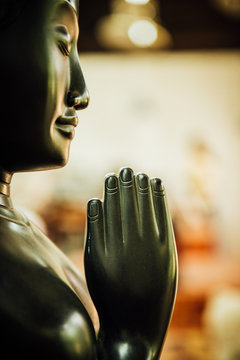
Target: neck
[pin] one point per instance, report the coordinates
(5, 179)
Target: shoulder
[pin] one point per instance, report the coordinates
(41, 315)
(71, 341)
(42, 297)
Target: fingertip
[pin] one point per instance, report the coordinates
(94, 209)
(95, 228)
(142, 182)
(111, 183)
(126, 175)
(109, 174)
(157, 187)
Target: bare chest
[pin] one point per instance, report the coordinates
(41, 313)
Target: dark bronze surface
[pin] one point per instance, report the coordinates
(130, 256)
(131, 266)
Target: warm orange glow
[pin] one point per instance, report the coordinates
(137, 2)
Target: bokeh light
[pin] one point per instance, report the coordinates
(143, 33)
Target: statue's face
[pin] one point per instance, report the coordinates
(42, 86)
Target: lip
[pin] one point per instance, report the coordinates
(66, 124)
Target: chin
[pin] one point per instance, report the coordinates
(55, 160)
(37, 161)
(53, 154)
(59, 163)
(61, 155)
(57, 149)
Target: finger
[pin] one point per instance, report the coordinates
(128, 204)
(95, 229)
(161, 210)
(112, 213)
(148, 225)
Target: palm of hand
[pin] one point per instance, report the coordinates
(130, 258)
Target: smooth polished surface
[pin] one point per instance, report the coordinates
(130, 256)
(43, 86)
(131, 266)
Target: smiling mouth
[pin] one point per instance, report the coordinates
(66, 124)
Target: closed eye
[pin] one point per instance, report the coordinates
(63, 39)
(64, 48)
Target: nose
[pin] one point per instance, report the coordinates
(78, 95)
(77, 100)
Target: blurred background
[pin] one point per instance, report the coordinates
(164, 82)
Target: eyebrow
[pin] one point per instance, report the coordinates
(70, 8)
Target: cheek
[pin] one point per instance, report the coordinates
(59, 81)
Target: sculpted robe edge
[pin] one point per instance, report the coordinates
(130, 254)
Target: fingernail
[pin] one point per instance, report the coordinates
(142, 181)
(111, 182)
(157, 185)
(126, 174)
(93, 208)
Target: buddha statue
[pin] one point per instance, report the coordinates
(130, 256)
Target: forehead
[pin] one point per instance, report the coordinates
(65, 14)
(61, 10)
(74, 4)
